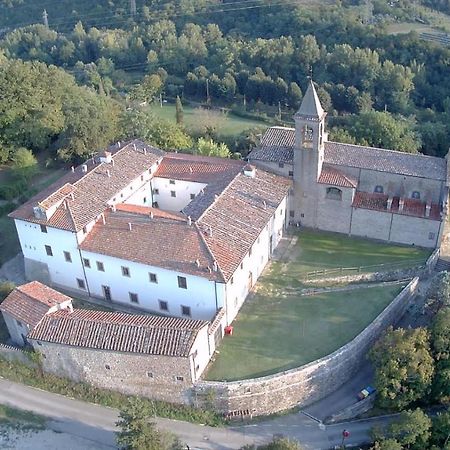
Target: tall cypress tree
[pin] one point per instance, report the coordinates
(179, 111)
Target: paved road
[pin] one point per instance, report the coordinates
(97, 423)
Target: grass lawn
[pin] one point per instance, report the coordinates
(320, 250)
(227, 124)
(276, 331)
(18, 419)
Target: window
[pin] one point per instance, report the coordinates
(416, 195)
(84, 230)
(125, 271)
(291, 173)
(107, 367)
(186, 310)
(150, 170)
(291, 213)
(379, 189)
(156, 191)
(142, 177)
(192, 196)
(195, 354)
(163, 305)
(431, 236)
(121, 195)
(81, 283)
(133, 297)
(67, 256)
(150, 374)
(43, 229)
(172, 182)
(152, 277)
(302, 215)
(144, 200)
(231, 280)
(242, 265)
(100, 266)
(307, 138)
(173, 194)
(178, 378)
(48, 250)
(334, 193)
(197, 367)
(281, 212)
(19, 323)
(182, 283)
(250, 252)
(281, 165)
(86, 263)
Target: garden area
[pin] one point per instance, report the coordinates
(279, 327)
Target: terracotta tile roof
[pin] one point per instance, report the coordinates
(160, 242)
(277, 145)
(57, 196)
(201, 169)
(411, 206)
(152, 335)
(149, 211)
(239, 215)
(92, 190)
(30, 302)
(334, 177)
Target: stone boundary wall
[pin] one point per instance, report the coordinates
(390, 275)
(15, 354)
(306, 384)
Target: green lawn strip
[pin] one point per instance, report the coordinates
(21, 373)
(21, 420)
(273, 333)
(229, 124)
(321, 250)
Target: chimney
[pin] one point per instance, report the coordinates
(389, 203)
(264, 204)
(84, 168)
(215, 266)
(428, 209)
(130, 227)
(197, 263)
(65, 204)
(118, 144)
(401, 204)
(145, 151)
(72, 197)
(209, 231)
(108, 173)
(134, 146)
(72, 169)
(113, 207)
(190, 169)
(112, 162)
(250, 171)
(151, 214)
(189, 220)
(103, 219)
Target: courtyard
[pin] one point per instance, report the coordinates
(279, 328)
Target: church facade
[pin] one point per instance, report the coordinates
(357, 190)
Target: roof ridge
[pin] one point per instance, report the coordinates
(219, 269)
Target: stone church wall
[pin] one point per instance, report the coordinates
(309, 383)
(415, 231)
(334, 215)
(371, 224)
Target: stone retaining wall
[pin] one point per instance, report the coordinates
(15, 354)
(306, 384)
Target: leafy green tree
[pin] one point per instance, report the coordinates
(387, 444)
(294, 96)
(207, 147)
(413, 429)
(6, 287)
(24, 162)
(179, 111)
(404, 367)
(381, 129)
(148, 89)
(440, 432)
(440, 288)
(137, 432)
(440, 342)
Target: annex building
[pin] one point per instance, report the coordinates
(175, 234)
(352, 189)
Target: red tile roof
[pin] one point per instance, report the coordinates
(335, 177)
(32, 301)
(92, 190)
(149, 211)
(411, 207)
(169, 243)
(201, 169)
(113, 331)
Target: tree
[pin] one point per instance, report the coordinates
(276, 444)
(179, 111)
(207, 147)
(148, 89)
(404, 367)
(440, 288)
(137, 432)
(387, 444)
(412, 429)
(294, 95)
(24, 162)
(440, 342)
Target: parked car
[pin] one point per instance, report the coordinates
(369, 390)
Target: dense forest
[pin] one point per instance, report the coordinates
(251, 56)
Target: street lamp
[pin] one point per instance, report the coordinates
(345, 435)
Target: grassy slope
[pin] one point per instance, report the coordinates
(273, 333)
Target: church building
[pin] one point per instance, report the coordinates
(353, 189)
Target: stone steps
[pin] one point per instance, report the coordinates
(442, 265)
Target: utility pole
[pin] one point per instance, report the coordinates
(45, 18)
(133, 8)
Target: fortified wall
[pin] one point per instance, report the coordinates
(306, 384)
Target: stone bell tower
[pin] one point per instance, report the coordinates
(308, 156)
